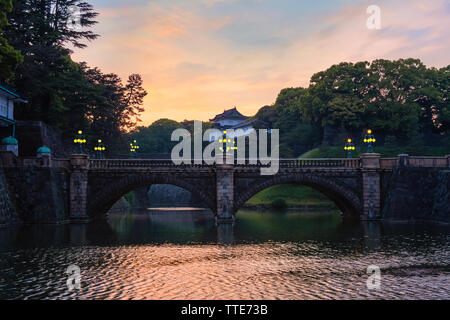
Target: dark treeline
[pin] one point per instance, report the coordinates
(403, 101)
(67, 95)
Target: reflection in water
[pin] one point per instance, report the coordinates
(160, 254)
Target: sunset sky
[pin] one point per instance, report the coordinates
(199, 57)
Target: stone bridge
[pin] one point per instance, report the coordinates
(358, 186)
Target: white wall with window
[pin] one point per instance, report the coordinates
(6, 107)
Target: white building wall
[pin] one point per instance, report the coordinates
(3, 106)
(225, 123)
(237, 133)
(6, 107)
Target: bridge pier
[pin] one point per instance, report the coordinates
(371, 193)
(224, 193)
(78, 187)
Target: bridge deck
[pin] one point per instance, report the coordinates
(283, 163)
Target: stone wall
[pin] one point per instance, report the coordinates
(441, 205)
(8, 214)
(34, 134)
(417, 194)
(40, 195)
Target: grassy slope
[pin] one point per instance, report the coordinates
(294, 195)
(338, 152)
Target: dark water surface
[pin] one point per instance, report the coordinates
(180, 254)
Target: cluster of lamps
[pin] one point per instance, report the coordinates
(134, 147)
(369, 138)
(349, 147)
(80, 140)
(100, 147)
(225, 141)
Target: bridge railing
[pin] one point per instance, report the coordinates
(330, 162)
(133, 163)
(388, 163)
(427, 162)
(385, 163)
(39, 162)
(283, 163)
(306, 162)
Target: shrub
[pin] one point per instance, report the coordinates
(279, 204)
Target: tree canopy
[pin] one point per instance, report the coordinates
(65, 94)
(401, 99)
(10, 58)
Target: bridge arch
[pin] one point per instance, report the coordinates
(345, 199)
(100, 203)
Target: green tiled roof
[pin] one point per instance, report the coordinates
(11, 92)
(44, 150)
(9, 141)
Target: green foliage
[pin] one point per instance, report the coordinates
(296, 134)
(38, 25)
(293, 195)
(392, 97)
(401, 100)
(130, 197)
(10, 58)
(67, 95)
(390, 141)
(156, 138)
(384, 151)
(279, 204)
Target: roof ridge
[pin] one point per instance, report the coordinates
(9, 90)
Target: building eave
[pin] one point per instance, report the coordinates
(10, 92)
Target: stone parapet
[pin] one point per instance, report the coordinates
(78, 187)
(370, 161)
(224, 193)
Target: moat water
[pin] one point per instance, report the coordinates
(181, 254)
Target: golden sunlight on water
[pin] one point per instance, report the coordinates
(260, 259)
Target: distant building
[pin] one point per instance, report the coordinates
(7, 99)
(232, 119)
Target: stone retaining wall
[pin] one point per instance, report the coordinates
(420, 194)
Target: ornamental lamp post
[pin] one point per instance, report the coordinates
(80, 140)
(349, 147)
(225, 148)
(369, 138)
(99, 149)
(134, 147)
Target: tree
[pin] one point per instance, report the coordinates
(9, 57)
(156, 138)
(65, 94)
(296, 134)
(134, 99)
(113, 108)
(401, 99)
(40, 29)
(394, 94)
(51, 23)
(434, 99)
(336, 96)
